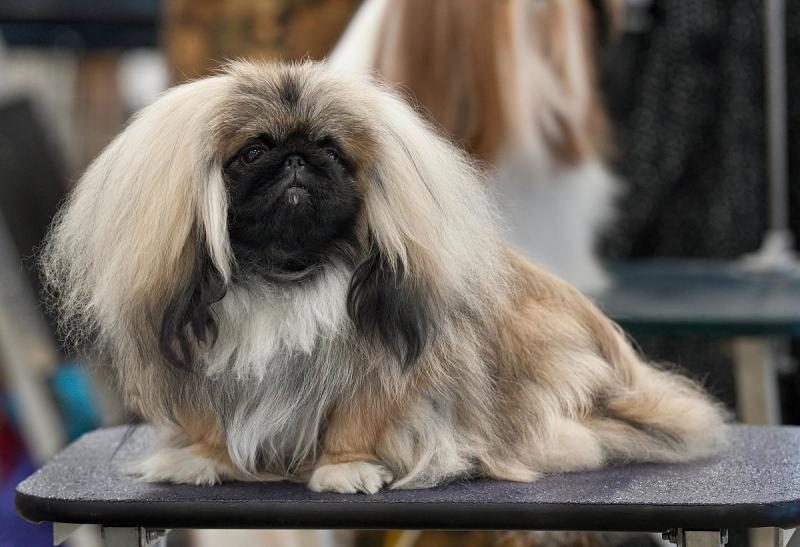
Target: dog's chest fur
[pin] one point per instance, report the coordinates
(279, 364)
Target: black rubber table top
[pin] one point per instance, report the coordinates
(701, 297)
(755, 482)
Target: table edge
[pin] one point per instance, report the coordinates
(409, 515)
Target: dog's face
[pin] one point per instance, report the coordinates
(292, 154)
(292, 198)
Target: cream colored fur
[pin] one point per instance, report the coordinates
(522, 375)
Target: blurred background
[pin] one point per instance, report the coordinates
(646, 150)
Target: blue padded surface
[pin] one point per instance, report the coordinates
(756, 482)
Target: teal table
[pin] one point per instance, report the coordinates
(698, 297)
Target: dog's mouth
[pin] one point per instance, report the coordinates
(296, 195)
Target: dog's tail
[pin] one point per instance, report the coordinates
(655, 414)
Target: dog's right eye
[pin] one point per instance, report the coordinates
(251, 154)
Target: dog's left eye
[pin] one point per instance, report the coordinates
(333, 154)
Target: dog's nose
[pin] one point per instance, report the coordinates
(294, 161)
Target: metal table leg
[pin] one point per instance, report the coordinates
(756, 364)
(133, 537)
(792, 539)
(756, 374)
(697, 538)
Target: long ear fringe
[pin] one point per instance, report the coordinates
(427, 207)
(386, 308)
(433, 244)
(124, 241)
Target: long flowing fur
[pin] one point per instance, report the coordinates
(425, 351)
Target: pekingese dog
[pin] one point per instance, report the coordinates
(291, 275)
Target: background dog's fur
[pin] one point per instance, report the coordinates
(515, 84)
(423, 351)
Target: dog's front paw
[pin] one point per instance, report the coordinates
(176, 465)
(350, 477)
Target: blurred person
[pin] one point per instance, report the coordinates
(514, 82)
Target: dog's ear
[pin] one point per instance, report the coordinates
(431, 233)
(189, 313)
(136, 252)
(388, 308)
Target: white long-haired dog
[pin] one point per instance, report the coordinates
(291, 275)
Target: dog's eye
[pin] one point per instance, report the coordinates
(253, 153)
(332, 153)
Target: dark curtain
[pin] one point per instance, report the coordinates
(688, 100)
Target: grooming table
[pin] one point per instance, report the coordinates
(757, 311)
(754, 483)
